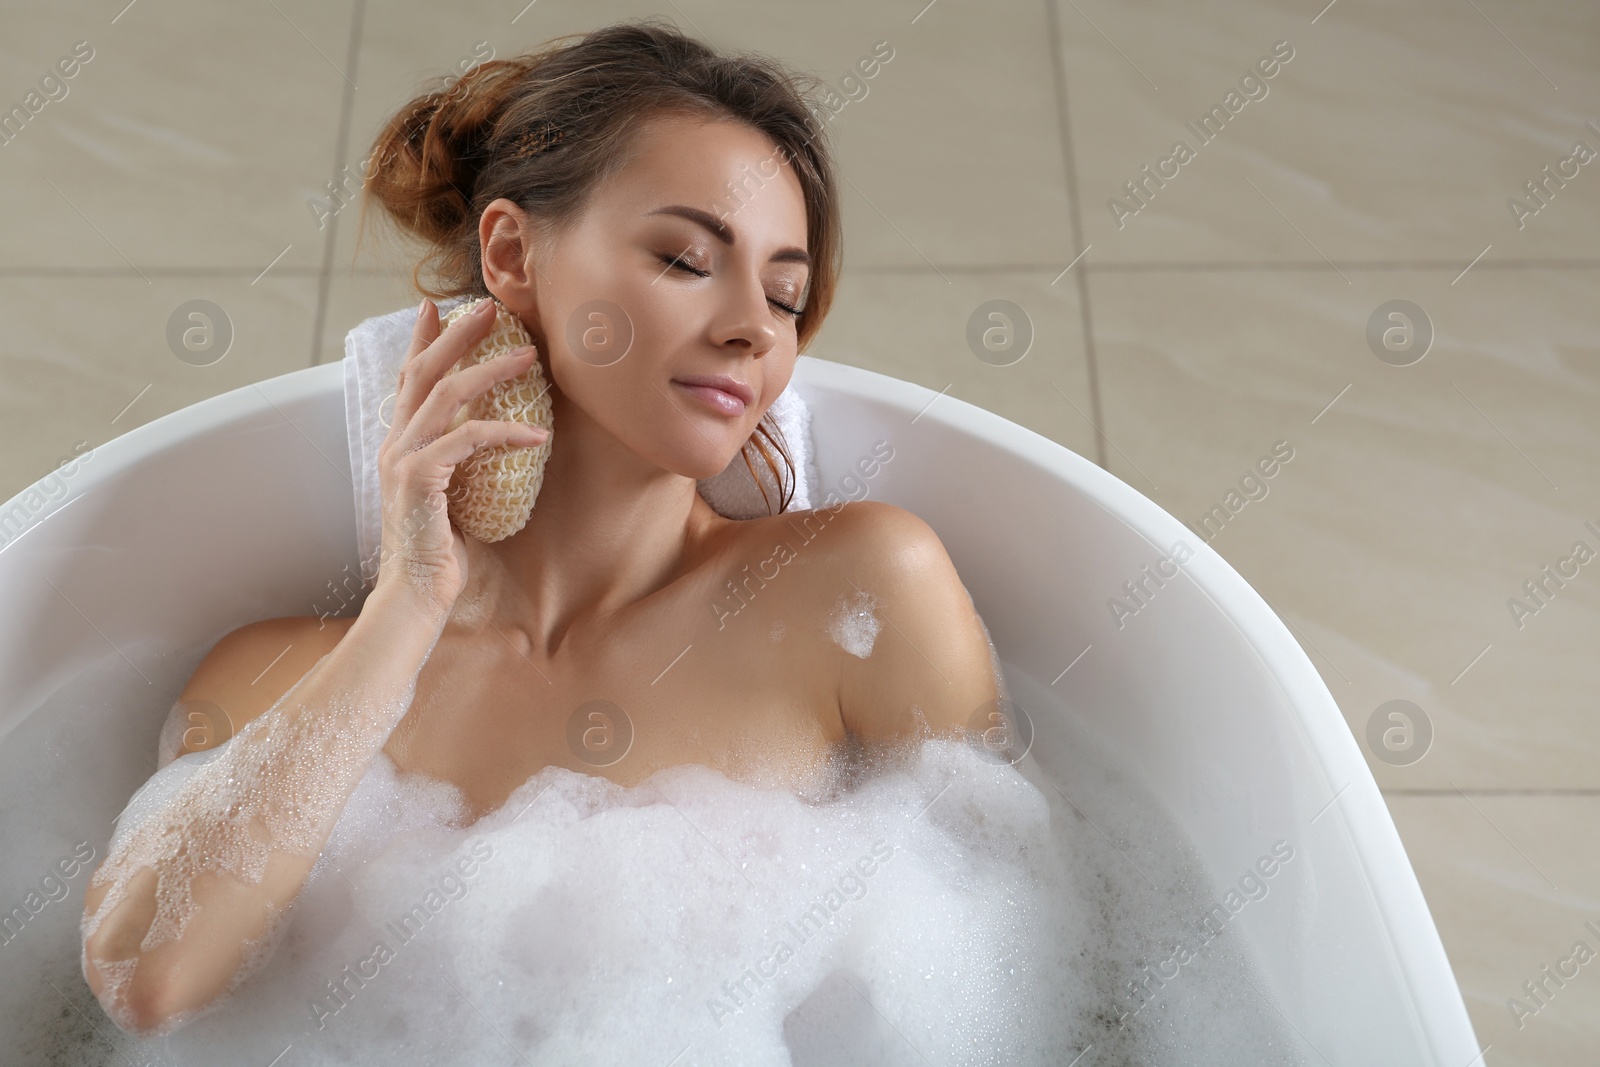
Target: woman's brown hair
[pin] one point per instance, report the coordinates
(445, 156)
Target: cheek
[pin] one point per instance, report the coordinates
(618, 321)
(630, 394)
(664, 313)
(777, 371)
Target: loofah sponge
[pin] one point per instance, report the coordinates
(491, 494)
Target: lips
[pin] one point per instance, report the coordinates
(723, 393)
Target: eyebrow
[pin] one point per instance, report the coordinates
(721, 232)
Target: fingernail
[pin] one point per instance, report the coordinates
(422, 307)
(485, 309)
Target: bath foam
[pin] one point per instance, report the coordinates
(853, 625)
(584, 838)
(227, 811)
(939, 904)
(606, 924)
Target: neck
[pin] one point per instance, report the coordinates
(608, 530)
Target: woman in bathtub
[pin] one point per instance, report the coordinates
(693, 191)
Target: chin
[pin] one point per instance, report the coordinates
(703, 469)
(682, 451)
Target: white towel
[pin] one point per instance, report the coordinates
(373, 352)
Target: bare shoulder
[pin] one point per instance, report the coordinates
(876, 532)
(914, 656)
(879, 542)
(247, 670)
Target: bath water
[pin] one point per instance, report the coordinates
(927, 903)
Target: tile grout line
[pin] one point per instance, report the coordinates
(1080, 280)
(341, 143)
(1130, 267)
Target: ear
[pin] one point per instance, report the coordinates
(510, 270)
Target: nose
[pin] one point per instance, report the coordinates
(745, 320)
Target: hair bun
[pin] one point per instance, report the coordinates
(430, 153)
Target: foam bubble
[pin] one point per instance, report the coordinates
(853, 625)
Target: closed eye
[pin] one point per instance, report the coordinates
(681, 264)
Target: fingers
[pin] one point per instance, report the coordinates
(423, 333)
(419, 445)
(433, 353)
(424, 330)
(471, 437)
(441, 406)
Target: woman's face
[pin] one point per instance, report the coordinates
(689, 259)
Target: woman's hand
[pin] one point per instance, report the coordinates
(422, 549)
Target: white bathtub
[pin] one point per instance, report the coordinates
(240, 508)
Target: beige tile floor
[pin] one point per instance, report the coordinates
(1228, 312)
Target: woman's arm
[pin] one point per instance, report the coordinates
(211, 855)
(191, 897)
